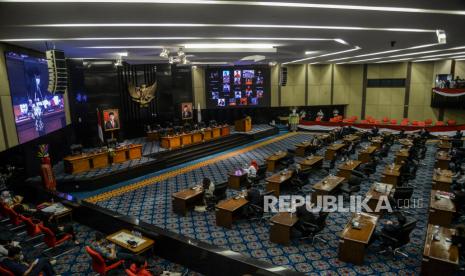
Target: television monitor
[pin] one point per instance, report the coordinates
(36, 111)
(238, 86)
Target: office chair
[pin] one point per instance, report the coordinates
(259, 214)
(218, 194)
(312, 230)
(53, 241)
(98, 262)
(353, 185)
(288, 160)
(395, 243)
(329, 166)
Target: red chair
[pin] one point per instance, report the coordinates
(135, 271)
(428, 122)
(50, 238)
(414, 123)
(451, 122)
(439, 123)
(385, 120)
(354, 118)
(98, 263)
(393, 122)
(5, 272)
(364, 121)
(406, 119)
(32, 227)
(421, 123)
(404, 123)
(15, 219)
(318, 119)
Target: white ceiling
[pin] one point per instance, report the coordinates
(142, 28)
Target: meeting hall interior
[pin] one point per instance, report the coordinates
(232, 138)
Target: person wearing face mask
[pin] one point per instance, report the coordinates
(19, 267)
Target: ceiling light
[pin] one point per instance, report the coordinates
(338, 40)
(201, 25)
(122, 47)
(325, 55)
(209, 62)
(443, 55)
(272, 63)
(228, 46)
(387, 52)
(430, 59)
(164, 53)
(431, 51)
(262, 3)
(393, 60)
(181, 53)
(441, 34)
(122, 54)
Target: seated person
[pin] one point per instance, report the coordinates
(59, 230)
(6, 242)
(209, 189)
(108, 251)
(10, 200)
(252, 169)
(459, 238)
(18, 267)
(374, 131)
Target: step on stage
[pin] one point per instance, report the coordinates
(153, 159)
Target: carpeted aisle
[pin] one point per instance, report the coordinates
(152, 203)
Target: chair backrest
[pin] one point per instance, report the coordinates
(404, 235)
(49, 237)
(14, 217)
(261, 169)
(98, 263)
(31, 228)
(403, 193)
(220, 190)
(5, 272)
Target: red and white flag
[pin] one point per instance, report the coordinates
(99, 126)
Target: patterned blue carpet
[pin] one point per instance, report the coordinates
(153, 205)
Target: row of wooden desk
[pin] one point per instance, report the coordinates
(87, 161)
(185, 139)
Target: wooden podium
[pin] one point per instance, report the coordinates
(243, 125)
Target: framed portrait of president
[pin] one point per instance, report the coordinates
(186, 111)
(111, 119)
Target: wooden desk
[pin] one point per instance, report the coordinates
(120, 155)
(311, 162)
(275, 181)
(351, 138)
(99, 160)
(216, 132)
(225, 130)
(391, 176)
(236, 179)
(440, 257)
(441, 209)
(377, 141)
(443, 181)
(187, 199)
(134, 151)
(444, 146)
(364, 155)
(272, 160)
(354, 241)
(324, 137)
(281, 226)
(170, 142)
(302, 148)
(186, 139)
(378, 194)
(346, 168)
(57, 210)
(207, 134)
(77, 163)
(327, 186)
(401, 155)
(119, 238)
(332, 151)
(226, 209)
(442, 160)
(406, 143)
(197, 137)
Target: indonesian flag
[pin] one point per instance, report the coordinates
(99, 126)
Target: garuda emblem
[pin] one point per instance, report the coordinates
(143, 94)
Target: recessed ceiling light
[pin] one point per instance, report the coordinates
(324, 55)
(442, 55)
(430, 59)
(228, 46)
(262, 3)
(202, 25)
(393, 60)
(387, 52)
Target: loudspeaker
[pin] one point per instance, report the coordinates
(57, 75)
(283, 76)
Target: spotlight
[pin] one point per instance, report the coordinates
(119, 62)
(272, 63)
(181, 53)
(164, 53)
(441, 36)
(171, 60)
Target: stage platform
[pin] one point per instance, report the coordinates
(154, 158)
